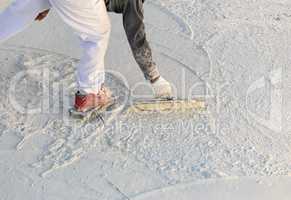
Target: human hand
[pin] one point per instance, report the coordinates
(42, 15)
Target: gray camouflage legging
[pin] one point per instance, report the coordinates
(133, 22)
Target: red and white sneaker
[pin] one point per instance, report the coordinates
(88, 102)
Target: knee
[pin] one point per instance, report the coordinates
(103, 30)
(104, 24)
(107, 29)
(97, 40)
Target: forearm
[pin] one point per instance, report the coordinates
(133, 21)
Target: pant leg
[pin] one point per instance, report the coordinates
(90, 20)
(133, 21)
(19, 15)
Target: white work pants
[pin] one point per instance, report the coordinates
(89, 20)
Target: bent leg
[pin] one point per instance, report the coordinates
(90, 20)
(133, 21)
(91, 70)
(19, 15)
